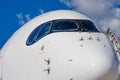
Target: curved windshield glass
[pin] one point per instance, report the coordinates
(45, 30)
(38, 33)
(74, 25)
(65, 25)
(88, 26)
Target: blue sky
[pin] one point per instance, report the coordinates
(10, 8)
(15, 13)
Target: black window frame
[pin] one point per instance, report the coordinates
(72, 20)
(52, 23)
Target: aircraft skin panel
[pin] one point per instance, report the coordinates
(64, 57)
(74, 55)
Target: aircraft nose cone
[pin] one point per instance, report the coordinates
(98, 65)
(93, 65)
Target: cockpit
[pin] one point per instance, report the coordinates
(74, 25)
(60, 26)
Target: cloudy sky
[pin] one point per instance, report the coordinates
(15, 13)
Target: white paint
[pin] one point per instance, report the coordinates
(70, 58)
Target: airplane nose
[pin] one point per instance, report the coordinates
(98, 65)
(93, 65)
(85, 60)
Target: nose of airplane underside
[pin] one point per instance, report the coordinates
(87, 61)
(92, 65)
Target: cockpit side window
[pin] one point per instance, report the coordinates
(38, 33)
(64, 25)
(44, 31)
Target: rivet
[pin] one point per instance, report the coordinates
(42, 48)
(104, 45)
(81, 39)
(98, 39)
(90, 38)
(81, 45)
(70, 60)
(71, 79)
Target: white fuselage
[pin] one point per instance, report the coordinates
(59, 56)
(63, 56)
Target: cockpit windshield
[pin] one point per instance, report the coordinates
(60, 26)
(65, 25)
(87, 26)
(74, 25)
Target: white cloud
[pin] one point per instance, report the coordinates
(113, 23)
(117, 12)
(27, 16)
(41, 11)
(67, 2)
(103, 12)
(92, 8)
(23, 18)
